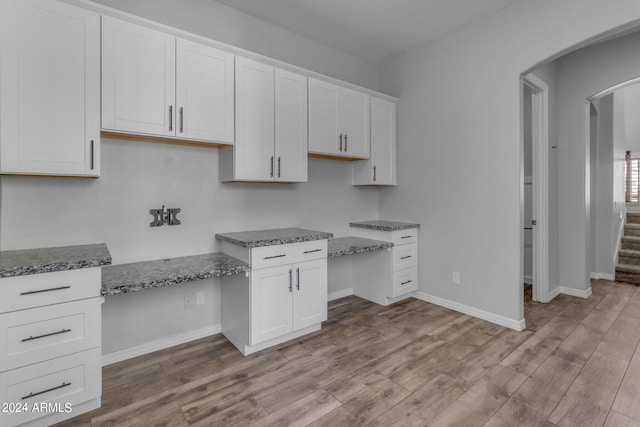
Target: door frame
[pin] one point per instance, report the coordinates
(540, 209)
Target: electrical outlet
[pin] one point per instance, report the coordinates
(455, 277)
(200, 298)
(188, 301)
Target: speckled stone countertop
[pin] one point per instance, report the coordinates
(137, 276)
(350, 245)
(384, 225)
(46, 260)
(280, 236)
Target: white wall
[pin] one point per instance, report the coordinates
(620, 142)
(631, 114)
(458, 148)
(138, 176)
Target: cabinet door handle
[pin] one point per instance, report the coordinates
(271, 166)
(405, 257)
(404, 283)
(46, 290)
(181, 119)
(345, 143)
(170, 118)
(374, 173)
(298, 275)
(312, 251)
(340, 142)
(92, 155)
(30, 395)
(405, 237)
(275, 256)
(31, 338)
(278, 166)
(290, 280)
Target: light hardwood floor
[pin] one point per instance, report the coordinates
(410, 364)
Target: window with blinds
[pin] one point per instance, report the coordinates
(632, 174)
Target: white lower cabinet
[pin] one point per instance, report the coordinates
(275, 303)
(50, 346)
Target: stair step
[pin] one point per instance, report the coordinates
(628, 268)
(628, 273)
(632, 230)
(629, 256)
(633, 217)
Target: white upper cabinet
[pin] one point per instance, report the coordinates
(291, 126)
(204, 93)
(380, 168)
(158, 85)
(50, 85)
(271, 126)
(338, 121)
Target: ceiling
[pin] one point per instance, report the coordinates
(374, 30)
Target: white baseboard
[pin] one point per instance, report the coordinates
(575, 292)
(518, 325)
(552, 294)
(150, 347)
(528, 280)
(604, 276)
(340, 294)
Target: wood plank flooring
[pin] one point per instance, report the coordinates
(410, 364)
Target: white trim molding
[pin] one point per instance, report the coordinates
(605, 276)
(340, 294)
(575, 292)
(517, 325)
(161, 344)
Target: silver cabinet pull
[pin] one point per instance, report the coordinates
(271, 166)
(275, 256)
(181, 119)
(345, 143)
(374, 173)
(64, 331)
(30, 395)
(405, 237)
(278, 166)
(298, 274)
(92, 156)
(59, 288)
(290, 280)
(170, 118)
(404, 283)
(405, 257)
(340, 142)
(312, 251)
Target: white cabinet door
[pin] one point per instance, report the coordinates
(380, 169)
(310, 293)
(204, 90)
(254, 147)
(323, 118)
(50, 85)
(290, 126)
(353, 122)
(271, 303)
(138, 79)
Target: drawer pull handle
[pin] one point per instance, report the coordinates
(290, 280)
(275, 256)
(315, 250)
(46, 290)
(298, 274)
(30, 395)
(405, 257)
(405, 237)
(64, 331)
(404, 283)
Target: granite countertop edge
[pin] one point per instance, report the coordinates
(372, 245)
(53, 267)
(273, 242)
(385, 225)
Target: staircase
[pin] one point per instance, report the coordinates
(628, 268)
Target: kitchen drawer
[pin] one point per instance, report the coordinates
(404, 256)
(403, 237)
(271, 256)
(37, 290)
(404, 281)
(72, 379)
(38, 334)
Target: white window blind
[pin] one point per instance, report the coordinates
(632, 174)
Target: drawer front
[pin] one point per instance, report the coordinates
(404, 256)
(404, 281)
(51, 385)
(38, 334)
(35, 290)
(402, 237)
(271, 256)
